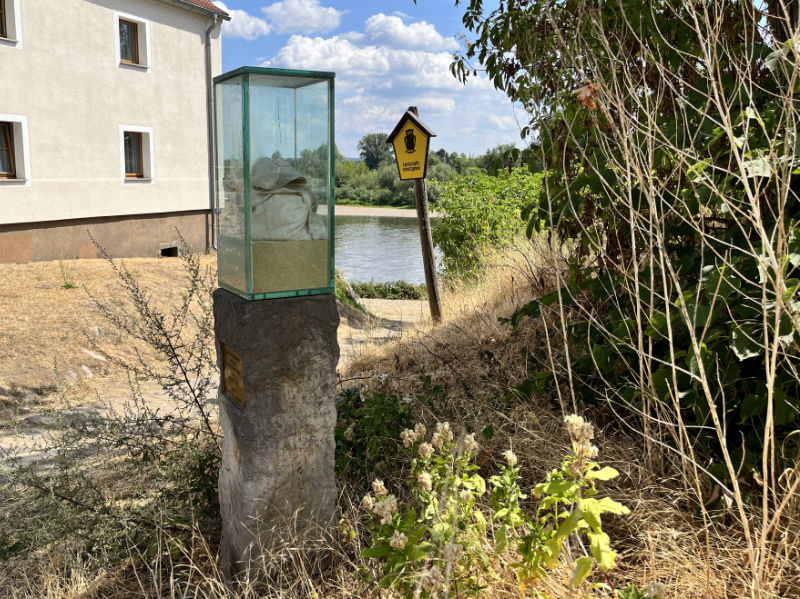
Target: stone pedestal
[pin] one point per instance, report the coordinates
(277, 474)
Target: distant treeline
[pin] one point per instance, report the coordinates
(374, 181)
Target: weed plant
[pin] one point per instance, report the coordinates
(112, 480)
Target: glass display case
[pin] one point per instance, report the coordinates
(274, 169)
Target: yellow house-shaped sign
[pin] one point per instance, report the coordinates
(410, 139)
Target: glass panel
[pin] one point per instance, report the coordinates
(6, 166)
(289, 150)
(231, 257)
(128, 41)
(133, 154)
(6, 151)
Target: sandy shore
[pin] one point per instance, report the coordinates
(378, 211)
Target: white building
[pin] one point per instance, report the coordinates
(105, 126)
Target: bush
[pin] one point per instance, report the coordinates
(481, 211)
(391, 290)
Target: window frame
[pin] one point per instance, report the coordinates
(146, 160)
(142, 41)
(10, 26)
(8, 128)
(21, 156)
(120, 21)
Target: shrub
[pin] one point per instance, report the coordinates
(445, 542)
(390, 290)
(481, 211)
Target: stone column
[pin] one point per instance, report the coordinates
(278, 418)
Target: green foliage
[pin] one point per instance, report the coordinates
(446, 542)
(369, 421)
(374, 150)
(480, 212)
(374, 180)
(681, 194)
(390, 290)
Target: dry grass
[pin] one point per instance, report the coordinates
(479, 362)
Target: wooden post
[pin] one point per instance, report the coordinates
(428, 259)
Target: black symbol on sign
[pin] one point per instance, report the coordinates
(410, 140)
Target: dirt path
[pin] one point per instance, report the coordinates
(54, 340)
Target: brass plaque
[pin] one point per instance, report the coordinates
(232, 379)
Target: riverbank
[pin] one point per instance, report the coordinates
(387, 211)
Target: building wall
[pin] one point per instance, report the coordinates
(65, 79)
(147, 235)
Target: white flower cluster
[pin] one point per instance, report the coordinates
(469, 444)
(424, 480)
(398, 540)
(580, 430)
(348, 434)
(425, 450)
(385, 508)
(379, 488)
(582, 434)
(409, 437)
(511, 458)
(442, 435)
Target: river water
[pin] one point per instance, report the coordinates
(379, 248)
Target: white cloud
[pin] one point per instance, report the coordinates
(303, 16)
(242, 24)
(376, 81)
(384, 66)
(391, 31)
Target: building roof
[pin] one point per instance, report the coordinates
(205, 5)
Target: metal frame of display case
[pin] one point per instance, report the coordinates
(245, 73)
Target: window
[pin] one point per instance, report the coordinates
(133, 45)
(133, 155)
(136, 153)
(3, 15)
(7, 168)
(10, 33)
(14, 158)
(128, 41)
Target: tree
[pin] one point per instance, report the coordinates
(374, 150)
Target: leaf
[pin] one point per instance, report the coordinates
(500, 540)
(381, 550)
(606, 473)
(600, 548)
(418, 552)
(743, 345)
(785, 407)
(583, 567)
(593, 508)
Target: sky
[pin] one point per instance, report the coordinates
(387, 56)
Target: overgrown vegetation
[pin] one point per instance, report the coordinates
(112, 480)
(481, 213)
(390, 290)
(668, 132)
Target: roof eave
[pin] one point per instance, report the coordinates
(199, 9)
